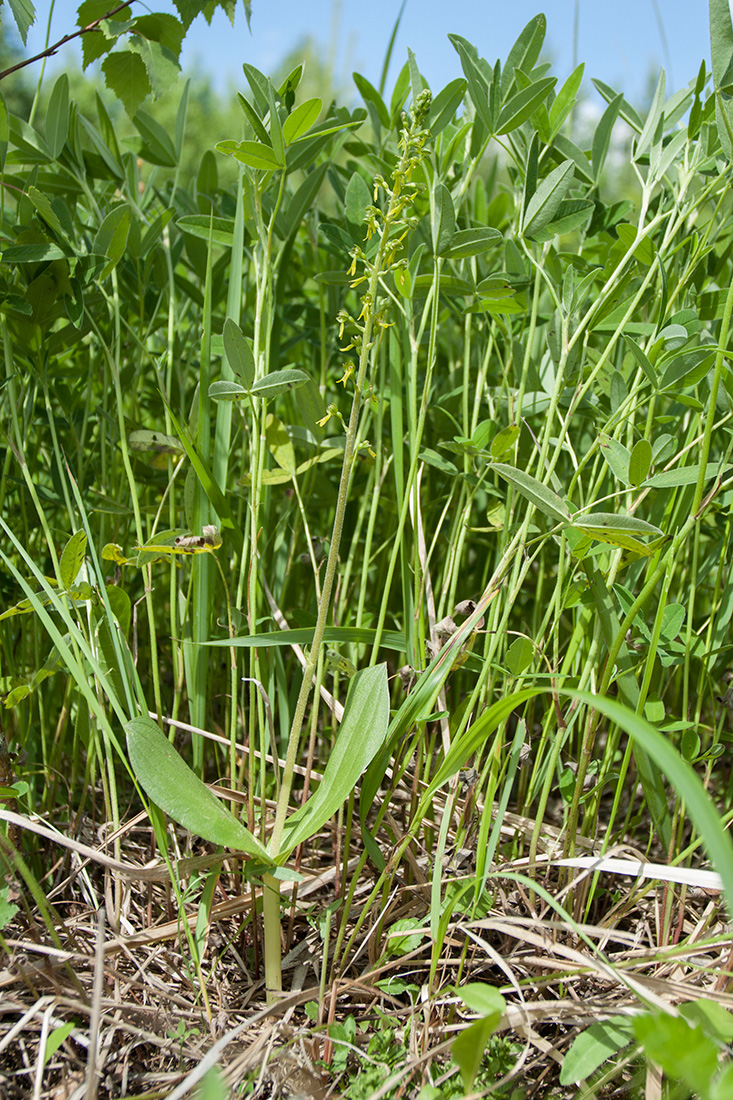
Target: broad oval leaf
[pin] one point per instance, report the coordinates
(360, 737)
(170, 784)
(280, 444)
(504, 440)
(72, 558)
(301, 119)
(256, 155)
(279, 381)
(640, 461)
(470, 242)
(593, 1047)
(227, 391)
(158, 442)
(549, 503)
(617, 456)
(238, 352)
(683, 475)
(220, 230)
(612, 521)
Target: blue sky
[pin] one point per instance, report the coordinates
(622, 41)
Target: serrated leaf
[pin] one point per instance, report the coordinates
(25, 16)
(171, 785)
(162, 28)
(160, 63)
(72, 558)
(277, 382)
(549, 503)
(126, 76)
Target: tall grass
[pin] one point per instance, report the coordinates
(451, 401)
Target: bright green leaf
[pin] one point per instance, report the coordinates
(126, 77)
(360, 737)
(170, 783)
(594, 1046)
(301, 119)
(239, 353)
(72, 558)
